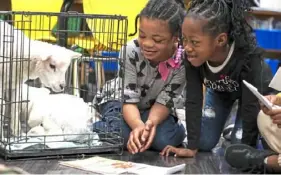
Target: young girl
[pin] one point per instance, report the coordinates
(154, 77)
(221, 51)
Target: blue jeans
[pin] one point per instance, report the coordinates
(169, 132)
(215, 113)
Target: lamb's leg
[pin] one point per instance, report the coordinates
(35, 131)
(54, 132)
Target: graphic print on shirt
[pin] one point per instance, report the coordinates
(143, 84)
(142, 68)
(224, 84)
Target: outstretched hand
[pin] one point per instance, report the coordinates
(178, 152)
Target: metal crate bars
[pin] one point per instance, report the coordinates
(98, 38)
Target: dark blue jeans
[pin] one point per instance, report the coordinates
(215, 113)
(169, 132)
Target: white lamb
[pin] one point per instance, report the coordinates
(59, 114)
(22, 59)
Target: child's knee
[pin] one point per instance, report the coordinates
(269, 131)
(111, 108)
(162, 140)
(263, 121)
(207, 144)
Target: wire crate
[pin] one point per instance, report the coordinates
(90, 36)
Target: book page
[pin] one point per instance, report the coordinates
(108, 166)
(276, 81)
(261, 98)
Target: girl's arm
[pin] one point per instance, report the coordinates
(158, 113)
(193, 108)
(167, 97)
(259, 76)
(131, 112)
(250, 108)
(193, 115)
(131, 115)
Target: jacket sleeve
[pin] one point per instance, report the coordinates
(194, 100)
(260, 77)
(249, 112)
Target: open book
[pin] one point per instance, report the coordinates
(108, 166)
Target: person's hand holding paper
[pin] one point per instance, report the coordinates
(275, 113)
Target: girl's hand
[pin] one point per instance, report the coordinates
(179, 152)
(134, 143)
(141, 137)
(148, 135)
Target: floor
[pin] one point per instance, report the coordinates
(203, 163)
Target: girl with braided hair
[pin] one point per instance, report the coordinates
(154, 78)
(220, 51)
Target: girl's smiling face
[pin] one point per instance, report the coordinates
(199, 45)
(155, 39)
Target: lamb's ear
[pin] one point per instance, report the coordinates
(41, 56)
(45, 57)
(73, 54)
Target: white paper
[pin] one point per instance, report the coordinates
(261, 98)
(276, 81)
(108, 166)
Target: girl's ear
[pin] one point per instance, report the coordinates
(221, 39)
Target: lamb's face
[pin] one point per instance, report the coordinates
(52, 70)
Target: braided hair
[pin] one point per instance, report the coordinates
(171, 11)
(226, 16)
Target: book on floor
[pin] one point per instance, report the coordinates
(103, 165)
